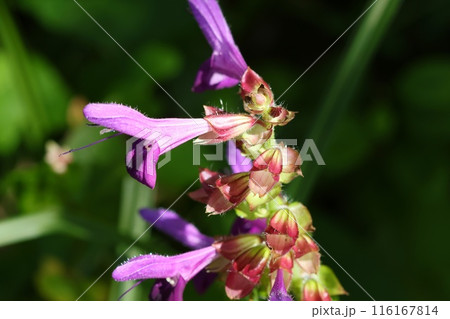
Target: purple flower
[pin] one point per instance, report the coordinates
(278, 292)
(176, 227)
(245, 226)
(238, 162)
(172, 273)
(176, 270)
(226, 65)
(154, 137)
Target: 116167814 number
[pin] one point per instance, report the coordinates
(380, 310)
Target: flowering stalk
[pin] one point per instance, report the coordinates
(270, 252)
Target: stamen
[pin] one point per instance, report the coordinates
(91, 144)
(132, 287)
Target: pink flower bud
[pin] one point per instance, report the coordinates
(303, 245)
(279, 243)
(221, 193)
(225, 126)
(232, 247)
(284, 222)
(285, 262)
(313, 291)
(291, 165)
(252, 262)
(234, 187)
(238, 286)
(266, 170)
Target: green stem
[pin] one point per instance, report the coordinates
(354, 62)
(134, 196)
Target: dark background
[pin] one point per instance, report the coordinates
(377, 105)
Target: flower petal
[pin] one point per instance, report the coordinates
(226, 62)
(209, 79)
(278, 292)
(186, 265)
(238, 162)
(245, 226)
(167, 133)
(173, 225)
(150, 137)
(141, 162)
(168, 289)
(238, 286)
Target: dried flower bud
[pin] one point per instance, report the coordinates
(278, 115)
(255, 93)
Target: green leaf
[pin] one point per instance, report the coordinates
(12, 115)
(19, 229)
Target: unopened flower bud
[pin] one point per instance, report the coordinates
(279, 243)
(225, 127)
(221, 193)
(232, 247)
(303, 245)
(284, 222)
(313, 291)
(266, 170)
(251, 263)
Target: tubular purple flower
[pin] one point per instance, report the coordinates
(172, 224)
(176, 270)
(238, 162)
(278, 292)
(226, 65)
(151, 137)
(186, 265)
(176, 227)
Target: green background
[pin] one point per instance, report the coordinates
(377, 105)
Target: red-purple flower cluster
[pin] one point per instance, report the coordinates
(269, 251)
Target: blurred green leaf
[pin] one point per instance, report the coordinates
(22, 75)
(425, 85)
(162, 59)
(53, 281)
(12, 115)
(354, 61)
(18, 229)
